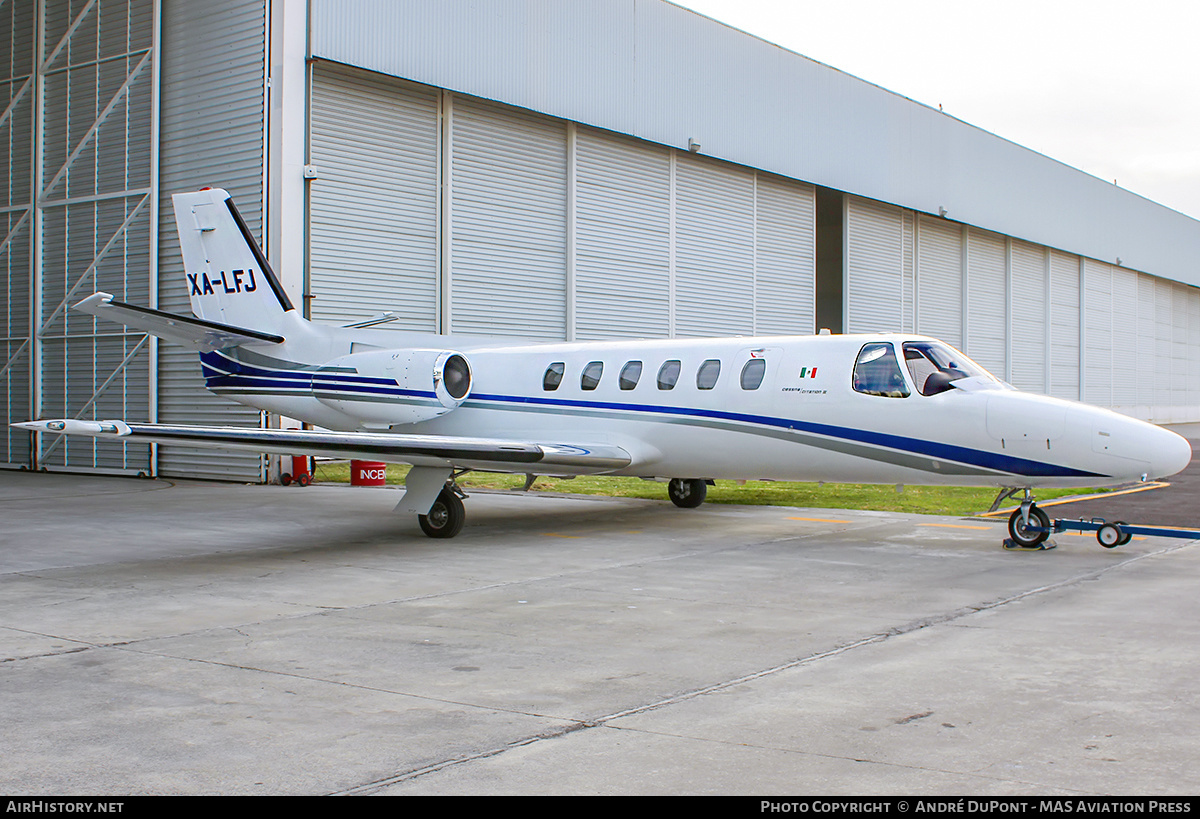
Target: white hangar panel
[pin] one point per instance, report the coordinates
(987, 301)
(622, 237)
(1097, 332)
(1164, 294)
(662, 73)
(1030, 316)
(878, 274)
(714, 248)
(1145, 332)
(373, 208)
(1125, 327)
(507, 225)
(1183, 302)
(1064, 326)
(940, 280)
(784, 257)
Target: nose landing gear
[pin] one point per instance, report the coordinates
(1028, 527)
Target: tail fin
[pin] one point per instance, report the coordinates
(228, 276)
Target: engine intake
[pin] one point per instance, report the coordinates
(385, 387)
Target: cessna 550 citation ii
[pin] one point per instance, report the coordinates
(885, 408)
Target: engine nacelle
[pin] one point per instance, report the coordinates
(384, 387)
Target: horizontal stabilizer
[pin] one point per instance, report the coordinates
(418, 450)
(193, 333)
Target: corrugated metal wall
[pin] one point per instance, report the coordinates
(1030, 315)
(95, 221)
(622, 237)
(212, 133)
(543, 228)
(662, 73)
(507, 222)
(18, 38)
(77, 133)
(374, 209)
(987, 301)
(1044, 320)
(878, 262)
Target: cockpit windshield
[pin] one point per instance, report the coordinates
(933, 366)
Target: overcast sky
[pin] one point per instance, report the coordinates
(1111, 88)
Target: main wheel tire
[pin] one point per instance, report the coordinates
(1022, 535)
(446, 517)
(687, 493)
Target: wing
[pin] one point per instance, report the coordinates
(491, 454)
(193, 333)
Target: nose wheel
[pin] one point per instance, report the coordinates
(1029, 527)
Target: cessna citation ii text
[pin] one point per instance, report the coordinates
(881, 408)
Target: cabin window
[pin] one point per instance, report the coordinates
(630, 374)
(553, 376)
(668, 374)
(591, 375)
(706, 376)
(753, 372)
(877, 372)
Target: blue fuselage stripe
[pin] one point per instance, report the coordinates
(227, 373)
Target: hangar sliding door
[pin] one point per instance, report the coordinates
(1064, 325)
(714, 248)
(987, 301)
(212, 123)
(879, 267)
(1097, 333)
(669, 244)
(622, 237)
(92, 164)
(506, 221)
(1030, 317)
(784, 256)
(467, 216)
(1124, 334)
(940, 280)
(17, 93)
(373, 208)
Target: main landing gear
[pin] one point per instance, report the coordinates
(447, 515)
(687, 493)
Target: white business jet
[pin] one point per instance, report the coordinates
(884, 408)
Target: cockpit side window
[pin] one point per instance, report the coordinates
(933, 366)
(877, 372)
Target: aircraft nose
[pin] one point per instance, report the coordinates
(1170, 453)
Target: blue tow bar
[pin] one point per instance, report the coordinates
(1110, 535)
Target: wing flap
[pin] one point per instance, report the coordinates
(419, 450)
(193, 333)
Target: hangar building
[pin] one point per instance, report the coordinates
(535, 168)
